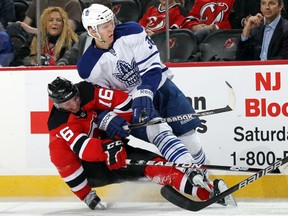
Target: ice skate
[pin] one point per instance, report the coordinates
(93, 201)
(218, 187)
(198, 178)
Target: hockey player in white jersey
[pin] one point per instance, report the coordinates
(124, 57)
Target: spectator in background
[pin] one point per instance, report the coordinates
(107, 3)
(208, 15)
(7, 12)
(56, 36)
(243, 9)
(154, 19)
(71, 56)
(6, 48)
(188, 4)
(72, 8)
(265, 36)
(25, 31)
(285, 9)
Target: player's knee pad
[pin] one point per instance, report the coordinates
(154, 130)
(191, 140)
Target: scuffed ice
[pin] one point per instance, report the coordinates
(70, 208)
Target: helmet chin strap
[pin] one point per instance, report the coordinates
(98, 37)
(101, 40)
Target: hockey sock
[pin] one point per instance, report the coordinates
(199, 192)
(164, 175)
(73, 175)
(171, 147)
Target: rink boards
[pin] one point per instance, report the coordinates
(254, 134)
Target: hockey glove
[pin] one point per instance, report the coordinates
(112, 124)
(115, 154)
(142, 105)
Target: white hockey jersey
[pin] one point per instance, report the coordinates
(132, 60)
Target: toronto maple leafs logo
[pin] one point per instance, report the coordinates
(87, 12)
(127, 73)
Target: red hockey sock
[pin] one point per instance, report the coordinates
(202, 193)
(164, 175)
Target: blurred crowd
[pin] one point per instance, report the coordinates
(262, 27)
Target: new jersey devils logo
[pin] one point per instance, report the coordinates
(213, 12)
(116, 8)
(231, 42)
(156, 23)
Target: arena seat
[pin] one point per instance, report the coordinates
(127, 10)
(21, 6)
(182, 43)
(220, 45)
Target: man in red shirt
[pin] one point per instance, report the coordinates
(154, 19)
(208, 15)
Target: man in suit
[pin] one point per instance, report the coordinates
(265, 36)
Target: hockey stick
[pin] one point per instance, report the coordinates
(182, 201)
(229, 107)
(194, 165)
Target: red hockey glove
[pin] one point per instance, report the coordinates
(115, 154)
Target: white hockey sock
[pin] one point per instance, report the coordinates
(172, 148)
(191, 140)
(168, 144)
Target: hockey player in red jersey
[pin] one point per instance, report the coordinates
(154, 19)
(87, 157)
(208, 15)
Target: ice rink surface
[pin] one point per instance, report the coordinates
(54, 207)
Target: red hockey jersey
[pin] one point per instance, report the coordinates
(210, 12)
(155, 18)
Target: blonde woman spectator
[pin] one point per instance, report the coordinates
(56, 36)
(72, 8)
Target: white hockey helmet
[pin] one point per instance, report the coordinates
(95, 15)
